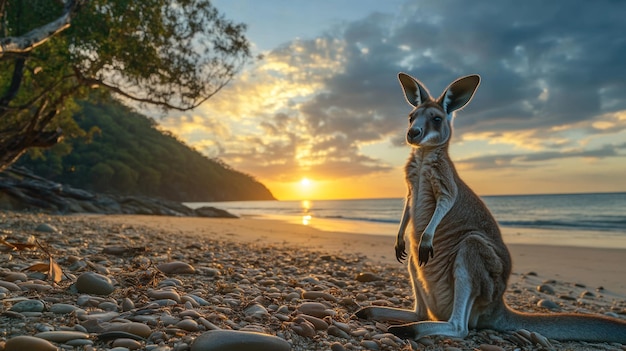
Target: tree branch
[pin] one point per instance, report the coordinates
(38, 36)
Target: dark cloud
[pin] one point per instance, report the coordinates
(532, 159)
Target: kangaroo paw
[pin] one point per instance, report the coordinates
(400, 253)
(405, 331)
(425, 253)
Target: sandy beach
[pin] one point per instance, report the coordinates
(172, 281)
(594, 267)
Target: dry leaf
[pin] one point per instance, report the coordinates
(7, 244)
(38, 267)
(23, 246)
(17, 246)
(54, 272)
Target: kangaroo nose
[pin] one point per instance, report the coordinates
(414, 132)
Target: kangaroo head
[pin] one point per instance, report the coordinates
(430, 122)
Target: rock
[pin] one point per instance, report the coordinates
(176, 267)
(551, 305)
(208, 211)
(94, 283)
(31, 343)
(164, 294)
(365, 277)
(188, 325)
(46, 228)
(63, 308)
(545, 288)
(62, 335)
(135, 328)
(487, 347)
(316, 309)
(28, 306)
(256, 311)
(127, 343)
(232, 340)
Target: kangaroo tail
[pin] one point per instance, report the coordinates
(567, 326)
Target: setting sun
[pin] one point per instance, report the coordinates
(305, 182)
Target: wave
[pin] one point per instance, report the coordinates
(604, 225)
(362, 219)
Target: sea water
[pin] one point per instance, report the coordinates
(597, 219)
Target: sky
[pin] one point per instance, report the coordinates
(322, 116)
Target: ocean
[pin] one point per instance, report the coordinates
(597, 219)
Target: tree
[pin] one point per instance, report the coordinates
(174, 54)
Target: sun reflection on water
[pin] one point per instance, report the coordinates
(306, 206)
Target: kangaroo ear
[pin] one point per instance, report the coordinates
(414, 90)
(459, 93)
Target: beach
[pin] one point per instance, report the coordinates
(294, 282)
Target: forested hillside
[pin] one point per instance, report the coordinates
(126, 154)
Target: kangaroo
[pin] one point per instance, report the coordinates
(458, 263)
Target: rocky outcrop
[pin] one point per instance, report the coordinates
(21, 190)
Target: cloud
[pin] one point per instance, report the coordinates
(549, 70)
(503, 161)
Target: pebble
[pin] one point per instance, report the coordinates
(94, 283)
(365, 277)
(316, 309)
(139, 329)
(549, 304)
(176, 267)
(232, 340)
(46, 228)
(487, 347)
(30, 343)
(63, 308)
(28, 306)
(545, 288)
(188, 325)
(62, 335)
(130, 344)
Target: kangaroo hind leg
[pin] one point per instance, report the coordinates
(471, 277)
(420, 313)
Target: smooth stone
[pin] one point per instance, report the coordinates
(164, 294)
(135, 328)
(545, 288)
(15, 276)
(200, 301)
(9, 285)
(316, 309)
(28, 306)
(365, 277)
(62, 335)
(487, 347)
(94, 283)
(256, 311)
(46, 228)
(176, 267)
(233, 340)
(127, 343)
(63, 308)
(127, 304)
(551, 305)
(31, 343)
(188, 325)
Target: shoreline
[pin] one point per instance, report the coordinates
(592, 266)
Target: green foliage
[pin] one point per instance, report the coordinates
(173, 54)
(129, 155)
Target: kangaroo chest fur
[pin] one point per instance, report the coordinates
(429, 177)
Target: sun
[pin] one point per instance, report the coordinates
(305, 182)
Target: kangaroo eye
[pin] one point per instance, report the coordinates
(437, 119)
